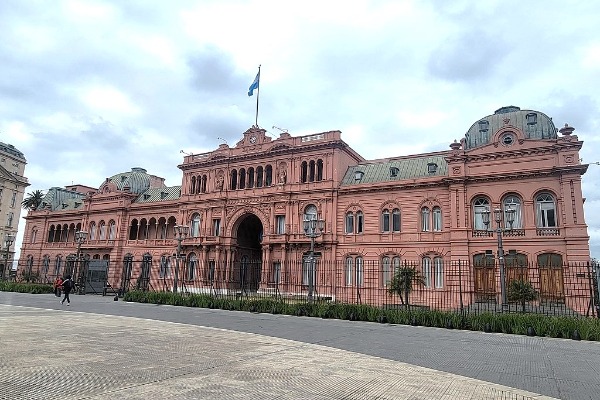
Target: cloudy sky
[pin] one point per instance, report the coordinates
(89, 89)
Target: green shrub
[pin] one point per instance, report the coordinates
(20, 287)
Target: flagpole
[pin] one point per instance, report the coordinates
(257, 96)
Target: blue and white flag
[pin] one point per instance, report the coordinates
(254, 84)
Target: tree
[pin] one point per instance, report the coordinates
(33, 200)
(403, 282)
(521, 290)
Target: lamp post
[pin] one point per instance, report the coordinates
(79, 273)
(9, 238)
(313, 228)
(509, 215)
(181, 232)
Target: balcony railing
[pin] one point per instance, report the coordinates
(548, 231)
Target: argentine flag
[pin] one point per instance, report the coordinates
(254, 84)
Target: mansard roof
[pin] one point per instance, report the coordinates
(137, 180)
(159, 194)
(411, 167)
(61, 199)
(533, 124)
(12, 150)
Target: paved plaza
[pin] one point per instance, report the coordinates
(100, 349)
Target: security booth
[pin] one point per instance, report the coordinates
(96, 276)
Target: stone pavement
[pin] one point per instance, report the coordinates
(66, 354)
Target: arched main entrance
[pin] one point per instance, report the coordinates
(248, 255)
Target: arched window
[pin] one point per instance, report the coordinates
(349, 272)
(438, 267)
(360, 221)
(310, 212)
(45, 265)
(360, 273)
(33, 235)
(319, 170)
(192, 265)
(311, 171)
(57, 265)
(93, 230)
(349, 222)
(396, 220)
(242, 178)
(427, 271)
(385, 220)
(259, 176)
(51, 234)
(112, 230)
(195, 231)
(102, 229)
(250, 178)
(203, 184)
(480, 205)
(268, 175)
(303, 172)
(165, 269)
(193, 185)
(512, 202)
(233, 184)
(425, 219)
(386, 273)
(437, 219)
(545, 211)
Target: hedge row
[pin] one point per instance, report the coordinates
(34, 288)
(520, 324)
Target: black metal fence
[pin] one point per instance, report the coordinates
(569, 289)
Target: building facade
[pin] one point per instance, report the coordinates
(12, 188)
(245, 207)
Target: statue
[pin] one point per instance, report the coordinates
(220, 181)
(282, 175)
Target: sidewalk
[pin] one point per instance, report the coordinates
(69, 354)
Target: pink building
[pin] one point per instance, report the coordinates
(245, 207)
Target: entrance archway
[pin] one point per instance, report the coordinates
(248, 260)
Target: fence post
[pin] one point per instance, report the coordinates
(460, 288)
(596, 269)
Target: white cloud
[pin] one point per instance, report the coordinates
(136, 82)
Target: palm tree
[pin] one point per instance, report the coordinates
(403, 281)
(33, 200)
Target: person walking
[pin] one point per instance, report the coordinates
(67, 286)
(58, 286)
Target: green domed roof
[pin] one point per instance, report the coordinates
(137, 180)
(534, 124)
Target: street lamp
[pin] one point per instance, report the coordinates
(181, 232)
(509, 216)
(79, 273)
(313, 228)
(9, 238)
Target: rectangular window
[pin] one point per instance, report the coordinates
(386, 275)
(216, 227)
(546, 215)
(211, 270)
(280, 223)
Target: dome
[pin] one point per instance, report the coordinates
(137, 180)
(533, 124)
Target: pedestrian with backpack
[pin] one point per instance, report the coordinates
(67, 285)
